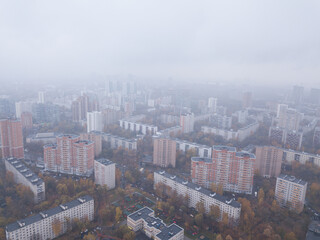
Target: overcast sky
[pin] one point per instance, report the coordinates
(256, 41)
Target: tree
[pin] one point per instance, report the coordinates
(199, 220)
(129, 236)
(228, 237)
(200, 207)
(56, 227)
(214, 212)
(220, 189)
(90, 236)
(290, 236)
(118, 214)
(219, 237)
(260, 196)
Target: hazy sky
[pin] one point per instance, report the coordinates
(271, 40)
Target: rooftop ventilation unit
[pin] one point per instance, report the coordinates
(21, 224)
(81, 200)
(63, 207)
(43, 215)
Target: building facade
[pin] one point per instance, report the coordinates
(83, 158)
(40, 226)
(233, 170)
(154, 228)
(117, 142)
(202, 171)
(11, 138)
(96, 138)
(187, 122)
(239, 135)
(268, 161)
(26, 120)
(94, 121)
(197, 194)
(164, 151)
(291, 192)
(70, 155)
(105, 173)
(200, 150)
(136, 126)
(23, 175)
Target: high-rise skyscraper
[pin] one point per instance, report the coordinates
(291, 192)
(11, 138)
(164, 151)
(268, 161)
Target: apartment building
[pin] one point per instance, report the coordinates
(291, 139)
(201, 150)
(104, 173)
(291, 192)
(134, 125)
(96, 138)
(23, 175)
(197, 194)
(164, 151)
(202, 171)
(40, 226)
(187, 122)
(290, 156)
(238, 135)
(83, 157)
(117, 142)
(94, 121)
(153, 227)
(70, 155)
(268, 161)
(233, 170)
(11, 138)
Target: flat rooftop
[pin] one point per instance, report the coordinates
(292, 179)
(200, 189)
(201, 159)
(104, 161)
(47, 213)
(25, 171)
(224, 148)
(166, 233)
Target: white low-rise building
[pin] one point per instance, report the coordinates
(201, 150)
(198, 194)
(117, 142)
(23, 175)
(239, 135)
(134, 125)
(104, 173)
(154, 228)
(52, 223)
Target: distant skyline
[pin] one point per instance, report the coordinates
(272, 42)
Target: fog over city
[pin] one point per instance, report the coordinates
(164, 120)
(259, 42)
